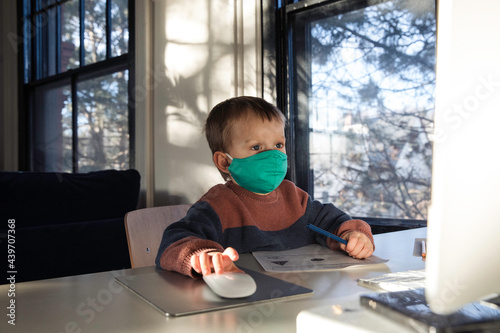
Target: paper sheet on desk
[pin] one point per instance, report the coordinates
(312, 257)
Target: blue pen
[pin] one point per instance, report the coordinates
(327, 234)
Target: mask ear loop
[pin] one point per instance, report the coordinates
(229, 174)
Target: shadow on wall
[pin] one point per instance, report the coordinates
(200, 59)
(168, 199)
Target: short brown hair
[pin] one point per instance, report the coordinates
(225, 114)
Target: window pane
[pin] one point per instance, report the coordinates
(119, 24)
(70, 35)
(28, 36)
(95, 31)
(52, 128)
(46, 3)
(103, 132)
(46, 38)
(54, 37)
(371, 109)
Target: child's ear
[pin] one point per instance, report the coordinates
(221, 161)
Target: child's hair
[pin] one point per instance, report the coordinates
(225, 114)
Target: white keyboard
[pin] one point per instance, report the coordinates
(399, 281)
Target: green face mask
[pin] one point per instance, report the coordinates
(260, 173)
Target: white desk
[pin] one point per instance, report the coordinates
(95, 303)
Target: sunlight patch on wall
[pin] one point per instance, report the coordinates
(182, 26)
(182, 128)
(188, 59)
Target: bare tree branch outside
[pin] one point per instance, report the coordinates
(372, 102)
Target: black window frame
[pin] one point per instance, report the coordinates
(289, 77)
(29, 74)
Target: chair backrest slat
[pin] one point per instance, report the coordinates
(145, 228)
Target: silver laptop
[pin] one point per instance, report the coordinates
(174, 294)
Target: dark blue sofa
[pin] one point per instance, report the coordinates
(66, 224)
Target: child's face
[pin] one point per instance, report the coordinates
(253, 135)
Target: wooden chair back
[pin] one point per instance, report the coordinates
(144, 228)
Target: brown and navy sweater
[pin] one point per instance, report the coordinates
(228, 215)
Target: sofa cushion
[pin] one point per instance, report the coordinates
(38, 199)
(72, 249)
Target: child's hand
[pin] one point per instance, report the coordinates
(358, 245)
(207, 262)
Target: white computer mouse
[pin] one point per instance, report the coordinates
(231, 284)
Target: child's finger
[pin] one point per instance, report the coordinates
(365, 253)
(217, 262)
(363, 249)
(195, 263)
(356, 251)
(352, 243)
(205, 264)
(231, 253)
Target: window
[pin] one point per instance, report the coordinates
(359, 94)
(77, 83)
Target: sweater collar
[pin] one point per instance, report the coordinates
(241, 192)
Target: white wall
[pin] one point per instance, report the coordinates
(190, 56)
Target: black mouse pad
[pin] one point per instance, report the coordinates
(174, 294)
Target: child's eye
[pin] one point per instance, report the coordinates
(256, 147)
(280, 145)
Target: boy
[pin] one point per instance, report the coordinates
(256, 209)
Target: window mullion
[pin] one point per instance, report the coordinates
(37, 53)
(34, 45)
(74, 119)
(58, 40)
(82, 32)
(108, 29)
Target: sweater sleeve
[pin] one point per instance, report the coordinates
(334, 220)
(351, 225)
(199, 231)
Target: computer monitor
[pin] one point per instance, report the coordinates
(463, 237)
